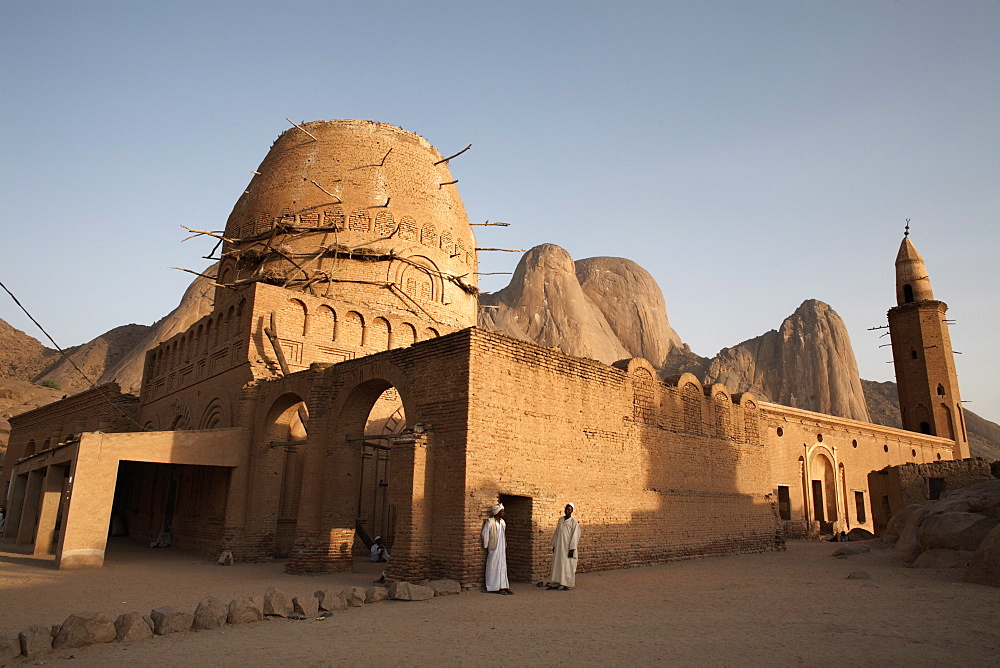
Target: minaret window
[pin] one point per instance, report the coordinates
(940, 390)
(908, 294)
(913, 353)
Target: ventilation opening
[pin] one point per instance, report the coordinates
(940, 390)
(784, 503)
(907, 294)
(913, 354)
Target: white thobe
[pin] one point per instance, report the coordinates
(565, 538)
(496, 559)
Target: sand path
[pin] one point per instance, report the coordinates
(778, 608)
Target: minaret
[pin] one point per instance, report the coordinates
(926, 381)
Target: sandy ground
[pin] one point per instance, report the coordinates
(778, 608)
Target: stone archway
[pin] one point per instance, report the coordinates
(823, 490)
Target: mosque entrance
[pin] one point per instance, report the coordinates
(520, 535)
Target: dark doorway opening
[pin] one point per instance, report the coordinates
(520, 534)
(935, 487)
(859, 505)
(784, 503)
(817, 490)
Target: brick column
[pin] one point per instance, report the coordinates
(409, 493)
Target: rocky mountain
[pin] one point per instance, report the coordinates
(807, 363)
(22, 356)
(602, 308)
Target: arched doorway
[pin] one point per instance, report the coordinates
(823, 490)
(284, 451)
(376, 514)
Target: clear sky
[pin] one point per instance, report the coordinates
(750, 155)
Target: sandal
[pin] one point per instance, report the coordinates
(563, 588)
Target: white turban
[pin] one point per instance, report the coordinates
(571, 505)
(497, 508)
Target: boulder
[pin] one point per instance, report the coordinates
(954, 530)
(985, 566)
(35, 640)
(277, 603)
(304, 607)
(857, 533)
(982, 498)
(133, 626)
(376, 594)
(849, 549)
(85, 628)
(859, 575)
(940, 557)
(445, 587)
(407, 591)
(10, 648)
(211, 613)
(355, 596)
(329, 601)
(899, 521)
(908, 544)
(245, 610)
(168, 619)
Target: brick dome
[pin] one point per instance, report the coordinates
(357, 211)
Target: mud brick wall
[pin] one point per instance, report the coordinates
(840, 453)
(895, 487)
(102, 408)
(657, 472)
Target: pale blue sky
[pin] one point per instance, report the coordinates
(749, 155)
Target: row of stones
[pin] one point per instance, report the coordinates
(88, 628)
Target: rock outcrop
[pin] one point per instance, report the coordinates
(806, 363)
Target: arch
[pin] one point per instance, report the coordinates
(419, 277)
(408, 229)
(379, 334)
(351, 331)
(359, 221)
(446, 241)
(182, 418)
(384, 224)
(751, 416)
(428, 235)
(460, 251)
(326, 324)
(407, 335)
(691, 395)
(209, 334)
(923, 419)
(231, 323)
(216, 414)
(724, 423)
(29, 449)
(431, 333)
(907, 294)
(295, 315)
(823, 485)
(227, 273)
(334, 217)
(913, 353)
(280, 456)
(948, 422)
(199, 339)
(643, 395)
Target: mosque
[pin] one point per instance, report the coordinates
(340, 389)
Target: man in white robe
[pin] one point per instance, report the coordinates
(564, 559)
(495, 541)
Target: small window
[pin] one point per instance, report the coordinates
(913, 453)
(784, 503)
(885, 447)
(854, 443)
(819, 437)
(939, 456)
(859, 503)
(908, 294)
(913, 354)
(925, 427)
(781, 432)
(940, 390)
